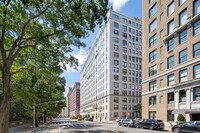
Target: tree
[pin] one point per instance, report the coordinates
(138, 108)
(180, 119)
(48, 27)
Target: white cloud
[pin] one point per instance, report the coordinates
(117, 4)
(81, 58)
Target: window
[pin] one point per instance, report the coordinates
(170, 27)
(183, 17)
(170, 44)
(171, 80)
(153, 25)
(152, 55)
(183, 56)
(116, 85)
(116, 62)
(124, 35)
(196, 49)
(150, 1)
(153, 10)
(116, 92)
(116, 16)
(116, 55)
(181, 2)
(153, 40)
(170, 116)
(152, 85)
(183, 75)
(124, 107)
(116, 47)
(124, 79)
(152, 115)
(116, 77)
(116, 32)
(124, 71)
(197, 71)
(152, 101)
(116, 25)
(124, 49)
(196, 27)
(124, 28)
(124, 20)
(182, 96)
(133, 31)
(116, 107)
(152, 70)
(116, 40)
(196, 7)
(196, 93)
(183, 36)
(124, 64)
(170, 97)
(116, 99)
(116, 69)
(170, 8)
(124, 42)
(124, 100)
(125, 57)
(170, 62)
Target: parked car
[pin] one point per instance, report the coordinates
(89, 119)
(150, 124)
(127, 123)
(188, 127)
(118, 119)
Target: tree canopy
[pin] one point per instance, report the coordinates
(39, 34)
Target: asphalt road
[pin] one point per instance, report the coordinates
(75, 126)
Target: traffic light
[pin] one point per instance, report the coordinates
(56, 104)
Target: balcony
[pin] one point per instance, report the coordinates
(177, 30)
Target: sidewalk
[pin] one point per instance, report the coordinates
(25, 128)
(28, 128)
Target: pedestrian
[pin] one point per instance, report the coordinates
(100, 119)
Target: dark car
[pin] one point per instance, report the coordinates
(150, 124)
(89, 119)
(127, 123)
(188, 127)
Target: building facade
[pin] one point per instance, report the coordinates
(74, 100)
(171, 49)
(111, 75)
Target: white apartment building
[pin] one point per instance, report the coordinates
(111, 74)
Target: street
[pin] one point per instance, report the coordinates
(74, 126)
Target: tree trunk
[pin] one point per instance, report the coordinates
(36, 118)
(45, 113)
(5, 103)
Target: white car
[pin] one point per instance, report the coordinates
(118, 119)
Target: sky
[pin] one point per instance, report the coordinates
(131, 8)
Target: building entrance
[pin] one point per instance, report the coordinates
(195, 117)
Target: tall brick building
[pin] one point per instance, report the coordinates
(74, 99)
(171, 56)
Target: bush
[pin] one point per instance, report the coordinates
(92, 116)
(180, 119)
(88, 116)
